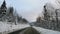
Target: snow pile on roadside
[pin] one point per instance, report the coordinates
(4, 27)
(8, 27)
(46, 31)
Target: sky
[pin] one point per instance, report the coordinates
(29, 9)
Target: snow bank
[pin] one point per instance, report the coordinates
(4, 27)
(46, 31)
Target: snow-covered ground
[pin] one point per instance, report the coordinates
(46, 31)
(4, 27)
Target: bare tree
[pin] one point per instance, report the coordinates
(38, 19)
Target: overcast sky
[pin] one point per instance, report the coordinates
(28, 9)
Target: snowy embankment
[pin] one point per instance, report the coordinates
(4, 27)
(46, 31)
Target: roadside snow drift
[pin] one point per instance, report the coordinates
(4, 27)
(46, 31)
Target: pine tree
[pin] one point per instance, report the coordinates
(46, 15)
(3, 8)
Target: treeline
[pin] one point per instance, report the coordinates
(50, 18)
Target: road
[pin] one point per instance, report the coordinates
(27, 30)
